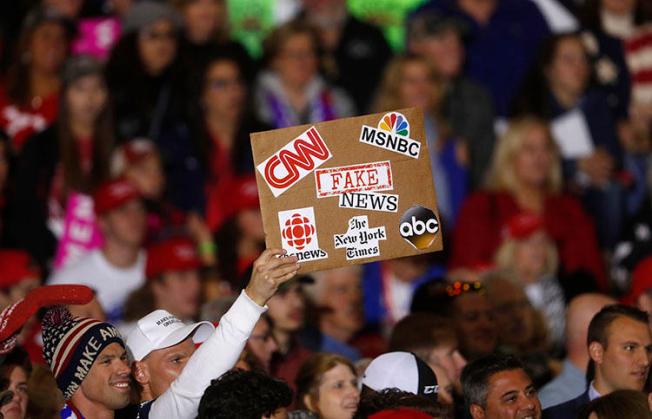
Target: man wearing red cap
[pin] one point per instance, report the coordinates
(117, 268)
(172, 273)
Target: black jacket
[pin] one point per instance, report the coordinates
(567, 410)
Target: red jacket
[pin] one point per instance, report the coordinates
(477, 235)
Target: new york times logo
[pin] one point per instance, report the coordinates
(419, 226)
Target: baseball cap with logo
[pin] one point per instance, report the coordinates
(113, 194)
(175, 254)
(402, 370)
(160, 330)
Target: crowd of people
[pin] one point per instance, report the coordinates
(126, 167)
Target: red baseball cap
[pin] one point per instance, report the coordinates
(176, 254)
(641, 281)
(16, 265)
(244, 194)
(523, 225)
(113, 194)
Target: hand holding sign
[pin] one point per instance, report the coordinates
(271, 269)
(354, 190)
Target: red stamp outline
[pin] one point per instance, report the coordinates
(386, 164)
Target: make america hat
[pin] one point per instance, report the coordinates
(171, 255)
(160, 329)
(402, 370)
(113, 194)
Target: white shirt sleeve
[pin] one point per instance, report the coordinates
(214, 357)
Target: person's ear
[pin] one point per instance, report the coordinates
(309, 403)
(477, 412)
(140, 372)
(596, 352)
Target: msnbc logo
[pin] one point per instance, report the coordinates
(392, 134)
(395, 123)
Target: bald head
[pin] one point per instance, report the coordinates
(578, 316)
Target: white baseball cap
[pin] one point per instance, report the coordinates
(160, 329)
(402, 370)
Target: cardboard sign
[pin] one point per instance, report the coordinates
(349, 191)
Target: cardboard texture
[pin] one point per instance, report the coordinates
(322, 231)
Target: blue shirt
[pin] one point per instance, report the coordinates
(569, 384)
(499, 53)
(331, 345)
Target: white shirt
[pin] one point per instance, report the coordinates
(401, 297)
(218, 354)
(111, 284)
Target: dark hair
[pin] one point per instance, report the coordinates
(591, 19)
(618, 404)
(103, 141)
(438, 295)
(244, 394)
(420, 333)
(241, 149)
(18, 357)
(603, 319)
(532, 96)
(432, 297)
(476, 375)
(392, 398)
(18, 84)
(275, 41)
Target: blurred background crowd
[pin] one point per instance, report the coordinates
(124, 129)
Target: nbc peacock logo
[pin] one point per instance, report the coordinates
(393, 134)
(395, 123)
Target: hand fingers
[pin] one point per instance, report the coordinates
(284, 270)
(266, 256)
(286, 277)
(274, 263)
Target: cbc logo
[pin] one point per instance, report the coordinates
(419, 226)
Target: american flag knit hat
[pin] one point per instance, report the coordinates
(71, 346)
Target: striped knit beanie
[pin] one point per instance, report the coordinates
(70, 346)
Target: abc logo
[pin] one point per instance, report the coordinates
(419, 226)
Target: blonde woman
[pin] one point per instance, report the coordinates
(531, 256)
(525, 175)
(410, 81)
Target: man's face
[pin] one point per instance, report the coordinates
(165, 365)
(107, 382)
(286, 308)
(125, 224)
(342, 298)
(625, 362)
(178, 292)
(475, 324)
(511, 395)
(443, 50)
